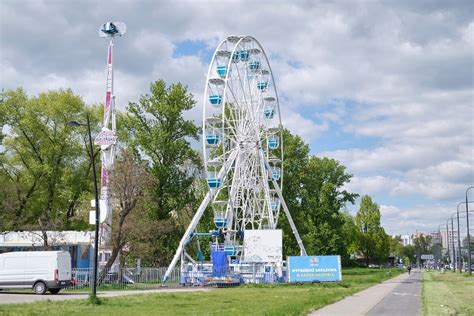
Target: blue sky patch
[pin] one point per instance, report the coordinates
(193, 48)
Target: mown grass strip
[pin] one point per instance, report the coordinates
(267, 299)
(447, 293)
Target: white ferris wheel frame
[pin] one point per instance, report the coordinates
(253, 117)
(228, 159)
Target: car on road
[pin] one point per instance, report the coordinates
(38, 270)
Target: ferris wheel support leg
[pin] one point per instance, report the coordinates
(288, 215)
(187, 234)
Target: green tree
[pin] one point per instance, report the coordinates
(156, 130)
(409, 252)
(45, 164)
(296, 156)
(313, 191)
(422, 245)
(129, 182)
(349, 232)
(406, 261)
(396, 248)
(371, 240)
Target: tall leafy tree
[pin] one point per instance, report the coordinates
(296, 156)
(129, 183)
(422, 245)
(313, 190)
(45, 164)
(371, 241)
(324, 198)
(156, 130)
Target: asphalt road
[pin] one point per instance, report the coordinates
(398, 296)
(17, 298)
(404, 300)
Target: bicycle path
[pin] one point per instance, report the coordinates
(398, 296)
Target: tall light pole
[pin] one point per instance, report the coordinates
(468, 235)
(459, 232)
(441, 239)
(447, 241)
(452, 242)
(459, 239)
(96, 192)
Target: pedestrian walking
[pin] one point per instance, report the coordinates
(409, 269)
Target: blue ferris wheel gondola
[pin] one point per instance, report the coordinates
(215, 99)
(269, 113)
(212, 139)
(254, 65)
(220, 222)
(262, 85)
(222, 71)
(244, 55)
(276, 173)
(273, 142)
(230, 250)
(275, 204)
(214, 183)
(235, 57)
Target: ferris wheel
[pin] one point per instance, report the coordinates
(242, 130)
(242, 146)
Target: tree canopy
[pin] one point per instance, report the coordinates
(47, 183)
(155, 129)
(313, 190)
(45, 164)
(371, 240)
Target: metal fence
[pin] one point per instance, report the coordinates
(120, 279)
(149, 278)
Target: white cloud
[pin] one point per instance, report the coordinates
(405, 70)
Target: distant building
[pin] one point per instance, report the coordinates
(435, 238)
(406, 240)
(449, 237)
(78, 244)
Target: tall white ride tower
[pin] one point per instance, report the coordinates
(107, 138)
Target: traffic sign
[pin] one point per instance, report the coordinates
(427, 257)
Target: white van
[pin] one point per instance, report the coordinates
(38, 270)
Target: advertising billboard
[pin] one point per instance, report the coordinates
(314, 269)
(263, 246)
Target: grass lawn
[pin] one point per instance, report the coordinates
(448, 293)
(268, 299)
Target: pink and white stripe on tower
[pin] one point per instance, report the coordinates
(107, 138)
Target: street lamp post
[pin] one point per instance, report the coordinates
(447, 241)
(459, 240)
(97, 210)
(452, 243)
(468, 235)
(441, 239)
(467, 226)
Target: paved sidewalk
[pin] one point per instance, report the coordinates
(404, 300)
(397, 296)
(17, 298)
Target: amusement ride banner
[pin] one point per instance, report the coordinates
(314, 269)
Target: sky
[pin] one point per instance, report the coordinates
(384, 87)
